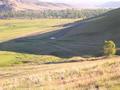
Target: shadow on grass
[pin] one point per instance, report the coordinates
(58, 43)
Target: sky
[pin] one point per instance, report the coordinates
(79, 1)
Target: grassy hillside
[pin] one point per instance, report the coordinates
(84, 38)
(78, 39)
(101, 74)
(34, 42)
(93, 32)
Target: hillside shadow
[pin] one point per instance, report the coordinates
(40, 44)
(54, 43)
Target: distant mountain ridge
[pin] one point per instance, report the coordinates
(22, 5)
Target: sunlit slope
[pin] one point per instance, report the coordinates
(16, 28)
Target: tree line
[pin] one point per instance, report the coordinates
(68, 13)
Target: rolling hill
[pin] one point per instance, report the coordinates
(19, 5)
(87, 37)
(77, 39)
(46, 38)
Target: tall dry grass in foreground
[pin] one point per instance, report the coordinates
(88, 75)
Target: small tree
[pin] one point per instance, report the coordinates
(109, 48)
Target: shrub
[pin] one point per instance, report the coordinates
(109, 48)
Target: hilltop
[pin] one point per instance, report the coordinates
(21, 5)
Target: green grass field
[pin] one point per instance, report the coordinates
(11, 29)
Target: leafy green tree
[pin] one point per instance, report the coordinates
(109, 48)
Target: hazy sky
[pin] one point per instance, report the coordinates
(80, 1)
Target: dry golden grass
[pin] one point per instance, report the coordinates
(88, 75)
